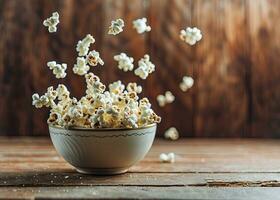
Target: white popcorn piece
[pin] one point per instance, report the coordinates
(93, 58)
(52, 22)
(116, 87)
(167, 158)
(58, 69)
(84, 44)
(125, 63)
(171, 134)
(116, 27)
(168, 97)
(145, 67)
(38, 101)
(191, 35)
(133, 87)
(81, 67)
(186, 83)
(141, 26)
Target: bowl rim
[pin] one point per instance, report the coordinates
(101, 129)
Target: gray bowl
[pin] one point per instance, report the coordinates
(102, 151)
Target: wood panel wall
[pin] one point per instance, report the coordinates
(236, 66)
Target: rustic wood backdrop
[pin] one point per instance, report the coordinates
(236, 66)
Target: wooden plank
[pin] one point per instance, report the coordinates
(46, 179)
(265, 51)
(173, 59)
(221, 58)
(88, 192)
(192, 155)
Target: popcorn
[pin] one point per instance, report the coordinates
(191, 35)
(167, 158)
(125, 63)
(145, 67)
(171, 133)
(116, 27)
(133, 87)
(186, 83)
(116, 87)
(38, 101)
(81, 68)
(164, 99)
(52, 22)
(54, 118)
(83, 45)
(57, 69)
(117, 107)
(93, 58)
(141, 26)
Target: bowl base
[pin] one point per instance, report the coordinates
(102, 171)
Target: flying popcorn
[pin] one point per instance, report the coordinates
(141, 26)
(171, 134)
(93, 58)
(52, 22)
(38, 101)
(168, 97)
(84, 44)
(81, 67)
(125, 63)
(191, 35)
(116, 27)
(167, 158)
(57, 69)
(145, 67)
(186, 83)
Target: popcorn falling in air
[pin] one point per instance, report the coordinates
(52, 22)
(116, 27)
(171, 133)
(167, 158)
(191, 35)
(125, 63)
(83, 45)
(145, 67)
(57, 69)
(186, 83)
(168, 97)
(141, 26)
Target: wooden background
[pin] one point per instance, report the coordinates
(236, 66)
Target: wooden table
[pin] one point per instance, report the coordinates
(204, 169)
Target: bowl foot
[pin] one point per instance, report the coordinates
(102, 171)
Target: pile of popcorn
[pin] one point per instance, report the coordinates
(118, 107)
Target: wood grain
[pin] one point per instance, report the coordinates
(265, 52)
(235, 66)
(221, 57)
(31, 169)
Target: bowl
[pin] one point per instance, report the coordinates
(102, 151)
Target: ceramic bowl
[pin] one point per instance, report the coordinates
(102, 151)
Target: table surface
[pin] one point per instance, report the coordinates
(30, 168)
